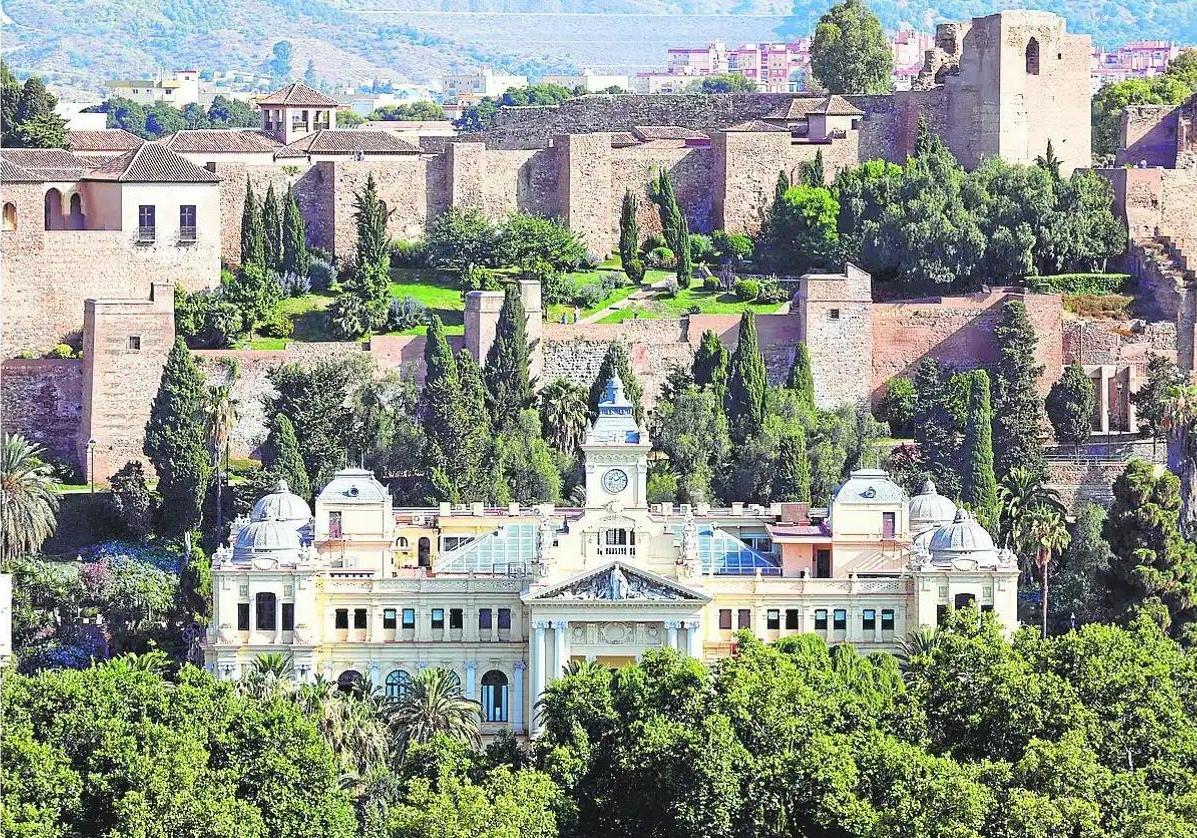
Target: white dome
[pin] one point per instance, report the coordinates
(282, 505)
(276, 540)
(963, 542)
(354, 485)
(930, 509)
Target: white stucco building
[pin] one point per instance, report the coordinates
(507, 597)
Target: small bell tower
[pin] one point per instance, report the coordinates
(616, 451)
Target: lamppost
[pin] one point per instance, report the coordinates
(91, 464)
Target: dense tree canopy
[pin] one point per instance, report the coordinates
(849, 52)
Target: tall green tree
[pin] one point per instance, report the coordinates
(28, 499)
(781, 186)
(849, 52)
(746, 384)
(1046, 535)
(813, 173)
(629, 229)
(528, 471)
(281, 456)
(296, 259)
(316, 398)
(617, 361)
(685, 263)
(564, 415)
(365, 296)
(801, 230)
(1152, 400)
(711, 364)
(176, 443)
(434, 704)
(507, 373)
(801, 378)
(941, 410)
(1070, 405)
(1018, 425)
(253, 233)
(691, 431)
(979, 483)
(35, 123)
(791, 480)
(272, 230)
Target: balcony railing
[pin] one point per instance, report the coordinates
(147, 234)
(187, 233)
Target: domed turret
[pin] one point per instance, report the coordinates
(930, 509)
(282, 505)
(275, 541)
(963, 543)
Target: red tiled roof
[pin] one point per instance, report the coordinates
(348, 141)
(46, 163)
(152, 163)
(623, 139)
(110, 139)
(298, 94)
(12, 173)
(806, 105)
(755, 125)
(230, 140)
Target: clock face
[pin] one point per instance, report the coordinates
(615, 481)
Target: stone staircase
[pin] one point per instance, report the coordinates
(1166, 268)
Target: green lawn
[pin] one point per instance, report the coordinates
(435, 290)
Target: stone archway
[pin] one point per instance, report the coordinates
(53, 202)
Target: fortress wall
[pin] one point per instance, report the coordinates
(958, 331)
(313, 186)
(1148, 135)
(889, 128)
(42, 402)
(521, 181)
(1107, 343)
(401, 185)
(61, 269)
(636, 167)
(1156, 200)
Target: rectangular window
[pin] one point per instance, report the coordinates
(888, 525)
(744, 618)
(484, 616)
(288, 616)
(792, 619)
(965, 600)
(887, 619)
(438, 618)
(359, 618)
(454, 618)
(146, 218)
(389, 618)
(133, 344)
(941, 614)
(243, 616)
(725, 623)
(834, 314)
(773, 619)
(342, 618)
(822, 564)
(986, 609)
(334, 525)
(409, 618)
(187, 228)
(820, 619)
(839, 619)
(868, 619)
(504, 619)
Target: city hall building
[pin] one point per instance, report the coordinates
(508, 597)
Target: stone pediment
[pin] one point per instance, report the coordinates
(617, 582)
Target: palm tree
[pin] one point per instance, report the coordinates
(28, 500)
(921, 641)
(1022, 491)
(220, 418)
(434, 703)
(1180, 421)
(352, 724)
(1049, 161)
(1045, 533)
(564, 412)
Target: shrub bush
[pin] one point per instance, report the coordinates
(349, 317)
(661, 258)
(1091, 283)
(897, 406)
(405, 314)
(694, 309)
(278, 326)
(477, 278)
(652, 241)
(671, 287)
(320, 275)
(409, 254)
(702, 251)
(732, 246)
(747, 289)
(61, 350)
(294, 285)
(635, 271)
(772, 291)
(589, 295)
(712, 283)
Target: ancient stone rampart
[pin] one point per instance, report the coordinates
(42, 402)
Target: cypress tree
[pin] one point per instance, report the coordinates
(629, 229)
(296, 259)
(744, 402)
(791, 481)
(685, 266)
(253, 243)
(474, 472)
(779, 189)
(281, 456)
(979, 484)
(176, 442)
(711, 364)
(1070, 405)
(801, 378)
(35, 122)
(272, 230)
(937, 425)
(507, 375)
(813, 173)
(1018, 427)
(442, 412)
(667, 207)
(371, 217)
(617, 360)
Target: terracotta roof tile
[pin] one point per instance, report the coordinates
(110, 139)
(806, 105)
(754, 125)
(152, 163)
(230, 140)
(47, 163)
(348, 141)
(623, 139)
(298, 94)
(12, 173)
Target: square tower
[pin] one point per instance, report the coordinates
(616, 451)
(293, 112)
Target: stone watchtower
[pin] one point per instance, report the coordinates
(837, 325)
(1014, 80)
(293, 112)
(482, 319)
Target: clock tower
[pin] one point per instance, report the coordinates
(616, 452)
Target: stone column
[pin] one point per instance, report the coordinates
(694, 638)
(470, 669)
(375, 673)
(671, 627)
(517, 697)
(561, 637)
(537, 654)
(253, 614)
(375, 627)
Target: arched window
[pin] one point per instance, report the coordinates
(1033, 56)
(266, 604)
(401, 542)
(494, 696)
(398, 682)
(348, 680)
(53, 209)
(75, 218)
(10, 216)
(424, 548)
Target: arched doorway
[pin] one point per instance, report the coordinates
(494, 696)
(348, 680)
(10, 216)
(1033, 56)
(424, 552)
(54, 220)
(74, 219)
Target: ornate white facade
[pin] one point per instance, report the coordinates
(508, 597)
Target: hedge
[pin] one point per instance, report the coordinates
(1081, 283)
